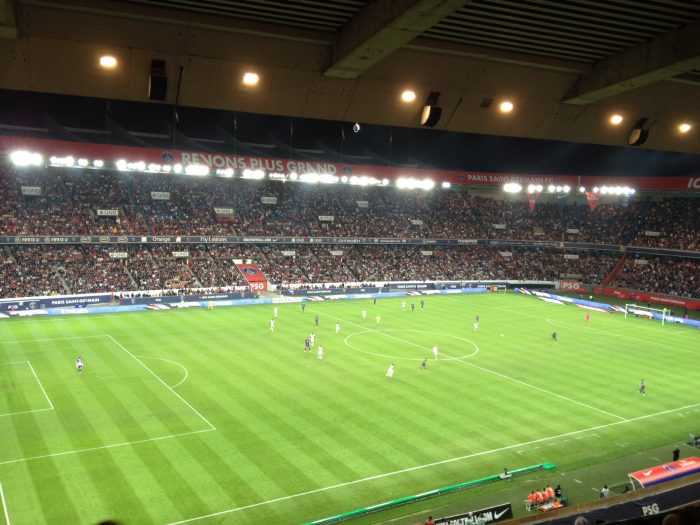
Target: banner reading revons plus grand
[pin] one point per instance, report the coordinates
(110, 154)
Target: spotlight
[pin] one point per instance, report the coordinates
(551, 188)
(582, 189)
(616, 119)
(684, 127)
(108, 62)
(408, 95)
(512, 187)
(446, 185)
(506, 106)
(250, 78)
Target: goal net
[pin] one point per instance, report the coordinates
(636, 310)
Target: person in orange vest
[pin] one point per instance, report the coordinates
(531, 498)
(550, 492)
(539, 497)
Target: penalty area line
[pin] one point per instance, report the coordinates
(427, 465)
(4, 505)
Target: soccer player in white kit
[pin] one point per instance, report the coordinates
(79, 365)
(272, 325)
(364, 314)
(403, 306)
(476, 325)
(320, 352)
(390, 371)
(337, 328)
(435, 351)
(276, 311)
(312, 339)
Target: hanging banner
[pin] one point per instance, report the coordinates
(224, 212)
(593, 199)
(363, 204)
(532, 199)
(107, 213)
(31, 190)
(268, 200)
(160, 195)
(182, 254)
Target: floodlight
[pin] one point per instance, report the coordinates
(98, 163)
(446, 185)
(512, 187)
(551, 188)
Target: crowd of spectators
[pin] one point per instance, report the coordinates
(674, 276)
(60, 202)
(670, 223)
(146, 204)
(59, 269)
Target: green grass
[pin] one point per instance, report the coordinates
(186, 413)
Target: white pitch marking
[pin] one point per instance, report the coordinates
(163, 382)
(577, 481)
(173, 362)
(103, 447)
(40, 385)
(4, 505)
(26, 412)
(427, 465)
(50, 339)
(492, 372)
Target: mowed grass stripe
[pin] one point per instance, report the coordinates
(338, 410)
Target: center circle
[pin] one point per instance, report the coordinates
(427, 349)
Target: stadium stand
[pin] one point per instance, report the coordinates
(69, 202)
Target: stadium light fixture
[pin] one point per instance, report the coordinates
(98, 163)
(446, 185)
(26, 158)
(684, 127)
(251, 78)
(582, 190)
(108, 62)
(121, 165)
(344, 179)
(177, 168)
(551, 188)
(225, 172)
(596, 189)
(616, 119)
(408, 96)
(566, 188)
(385, 182)
(506, 106)
(167, 168)
(253, 174)
(82, 163)
(512, 187)
(293, 175)
(197, 170)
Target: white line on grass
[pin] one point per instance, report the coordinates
(103, 447)
(50, 339)
(4, 505)
(169, 361)
(427, 465)
(490, 371)
(212, 427)
(26, 412)
(40, 385)
(626, 336)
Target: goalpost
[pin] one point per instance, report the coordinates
(645, 311)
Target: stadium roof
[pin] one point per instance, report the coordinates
(565, 65)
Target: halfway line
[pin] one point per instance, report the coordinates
(489, 371)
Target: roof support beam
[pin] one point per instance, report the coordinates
(381, 28)
(8, 19)
(664, 57)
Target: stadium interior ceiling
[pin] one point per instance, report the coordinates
(324, 65)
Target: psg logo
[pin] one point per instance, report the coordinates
(167, 156)
(249, 271)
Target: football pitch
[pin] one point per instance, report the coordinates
(208, 416)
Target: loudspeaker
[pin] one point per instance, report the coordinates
(638, 135)
(157, 81)
(431, 111)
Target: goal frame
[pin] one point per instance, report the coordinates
(636, 309)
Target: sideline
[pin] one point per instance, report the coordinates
(427, 465)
